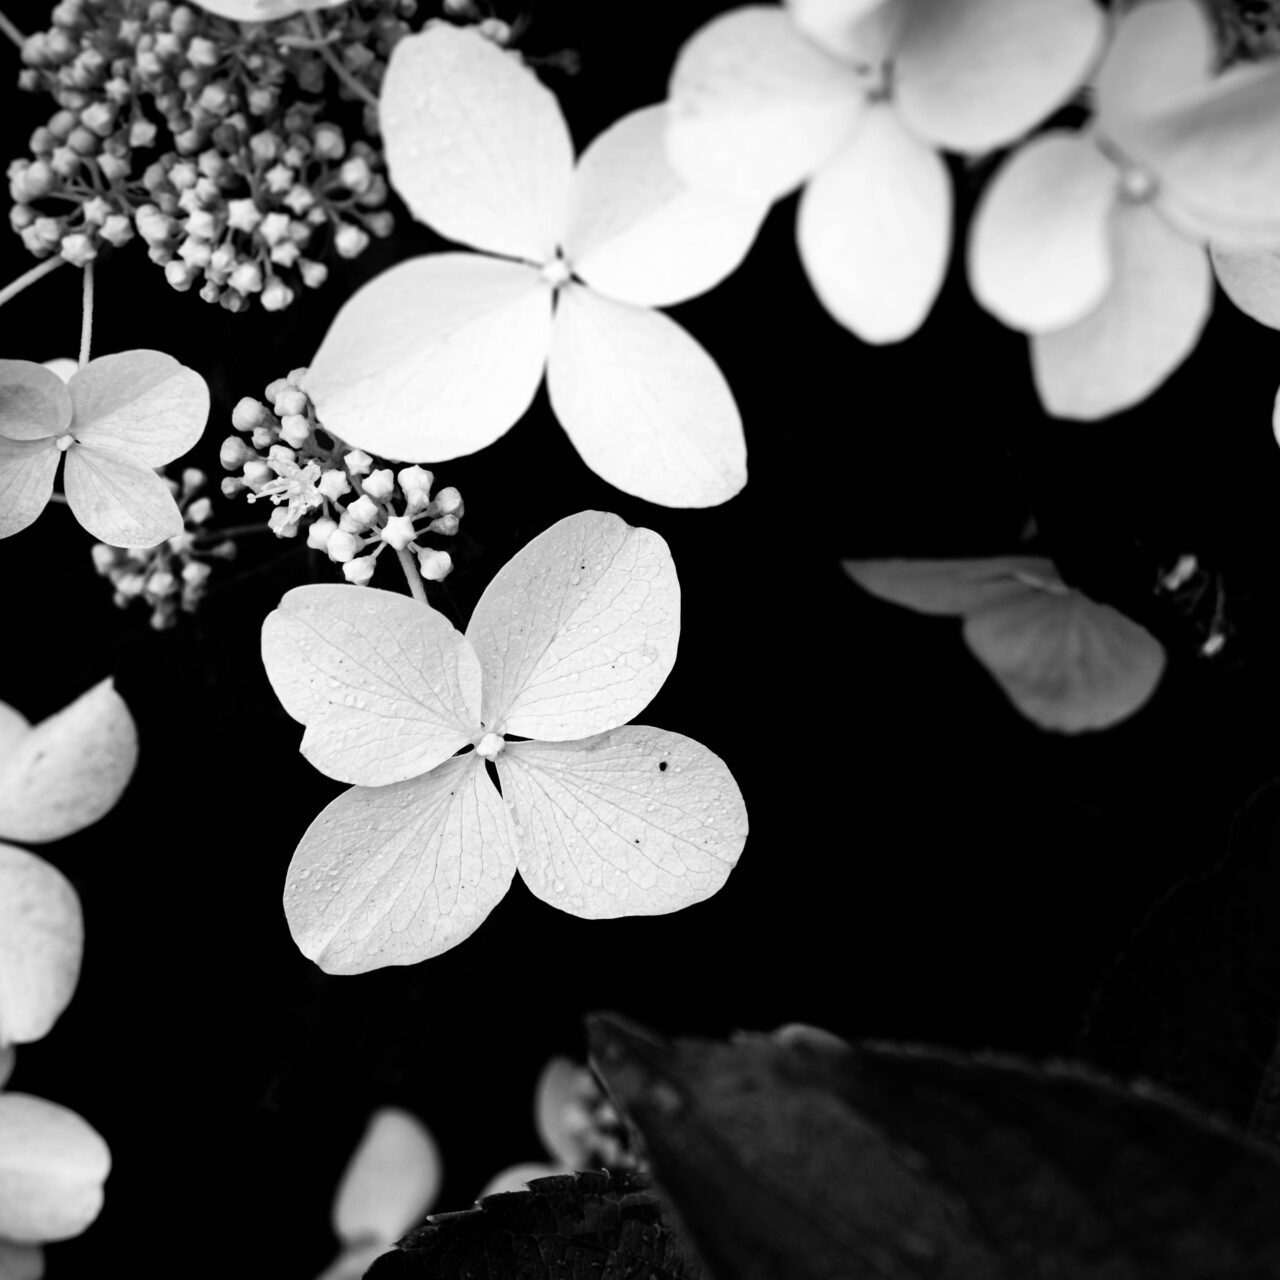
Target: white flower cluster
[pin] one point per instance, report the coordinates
(355, 506)
(174, 575)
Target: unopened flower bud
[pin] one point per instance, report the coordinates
(295, 430)
(314, 274)
(248, 413)
(360, 570)
(342, 546)
(434, 565)
(257, 473)
(447, 526)
(199, 511)
(265, 436)
(282, 524)
(276, 295)
(358, 462)
(380, 485)
(328, 142)
(449, 501)
(195, 573)
(333, 484)
(363, 512)
(243, 214)
(399, 532)
(202, 52)
(416, 484)
(320, 532)
(104, 557)
(246, 278)
(179, 275)
(78, 249)
(350, 241)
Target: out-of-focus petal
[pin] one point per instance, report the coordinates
(120, 500)
(638, 232)
(52, 1167)
(578, 630)
(7, 1058)
(1251, 279)
(387, 689)
(644, 403)
(34, 402)
(27, 468)
(953, 586)
(848, 28)
(393, 875)
(1067, 662)
(391, 1181)
(435, 358)
(14, 726)
(971, 75)
(874, 230)
(139, 402)
(41, 940)
(755, 107)
(562, 1102)
(476, 146)
(636, 821)
(1149, 322)
(1040, 243)
(69, 769)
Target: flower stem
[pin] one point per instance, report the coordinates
(235, 531)
(11, 31)
(86, 315)
(418, 591)
(41, 269)
(326, 52)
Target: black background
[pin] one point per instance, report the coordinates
(923, 864)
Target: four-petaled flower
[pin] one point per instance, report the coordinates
(116, 420)
(571, 639)
(441, 355)
(853, 98)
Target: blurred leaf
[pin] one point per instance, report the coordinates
(807, 1159)
(584, 1226)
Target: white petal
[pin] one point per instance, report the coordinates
(1148, 323)
(1040, 242)
(518, 1176)
(755, 106)
(1066, 662)
(142, 403)
(637, 821)
(638, 232)
(41, 939)
(841, 26)
(476, 146)
(21, 1261)
(70, 769)
(644, 403)
(1251, 279)
(120, 500)
(27, 468)
(434, 359)
(64, 366)
(562, 1102)
(34, 402)
(387, 688)
(578, 630)
(397, 874)
(874, 230)
(392, 1179)
(14, 726)
(263, 10)
(52, 1167)
(953, 586)
(971, 75)
(7, 1058)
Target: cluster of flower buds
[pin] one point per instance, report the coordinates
(202, 136)
(354, 507)
(173, 575)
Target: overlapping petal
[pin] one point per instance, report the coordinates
(971, 75)
(638, 232)
(41, 940)
(852, 30)
(52, 1167)
(387, 689)
(1040, 244)
(874, 230)
(119, 499)
(636, 821)
(435, 358)
(34, 402)
(755, 106)
(1148, 323)
(476, 146)
(1251, 279)
(643, 402)
(954, 586)
(68, 770)
(397, 874)
(578, 630)
(27, 469)
(143, 403)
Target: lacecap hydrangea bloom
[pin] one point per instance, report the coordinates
(441, 355)
(1094, 241)
(570, 640)
(853, 99)
(115, 420)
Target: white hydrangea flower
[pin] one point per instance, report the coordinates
(570, 640)
(853, 99)
(264, 10)
(1093, 242)
(442, 354)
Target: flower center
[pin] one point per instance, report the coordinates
(557, 272)
(65, 441)
(490, 746)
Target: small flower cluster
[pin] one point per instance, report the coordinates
(173, 575)
(199, 135)
(353, 505)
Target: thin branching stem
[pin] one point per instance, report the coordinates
(11, 31)
(86, 315)
(38, 272)
(335, 64)
(411, 574)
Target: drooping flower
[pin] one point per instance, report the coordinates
(1066, 662)
(117, 419)
(1093, 241)
(439, 356)
(853, 99)
(570, 640)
